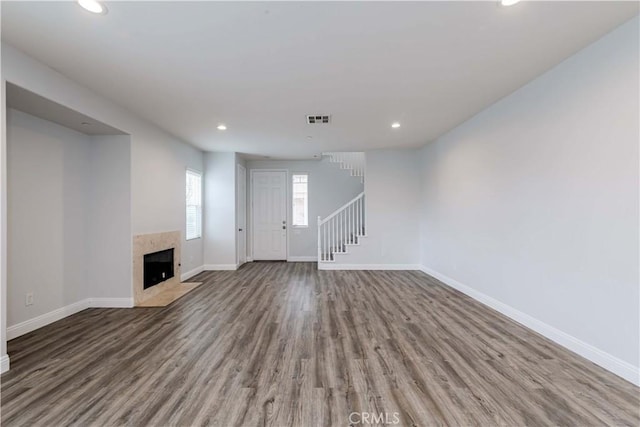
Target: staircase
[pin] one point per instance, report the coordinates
(347, 225)
(353, 161)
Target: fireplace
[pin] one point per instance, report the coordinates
(158, 267)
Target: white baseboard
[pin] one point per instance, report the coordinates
(333, 266)
(189, 274)
(220, 267)
(609, 362)
(111, 302)
(44, 319)
(53, 316)
(4, 363)
(302, 259)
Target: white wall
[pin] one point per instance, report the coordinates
(329, 188)
(220, 210)
(392, 199)
(534, 202)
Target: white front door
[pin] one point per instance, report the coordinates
(241, 210)
(269, 213)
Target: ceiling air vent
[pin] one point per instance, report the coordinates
(318, 119)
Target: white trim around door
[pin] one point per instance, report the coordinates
(241, 214)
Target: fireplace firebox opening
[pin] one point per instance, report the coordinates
(158, 267)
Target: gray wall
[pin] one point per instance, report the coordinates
(534, 201)
(220, 210)
(48, 167)
(69, 216)
(158, 160)
(158, 174)
(329, 188)
(392, 200)
(109, 225)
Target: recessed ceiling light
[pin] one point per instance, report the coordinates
(395, 125)
(222, 127)
(93, 6)
(508, 2)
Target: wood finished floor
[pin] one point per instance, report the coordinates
(286, 345)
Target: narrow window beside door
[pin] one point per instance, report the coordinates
(300, 200)
(194, 205)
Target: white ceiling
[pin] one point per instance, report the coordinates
(260, 67)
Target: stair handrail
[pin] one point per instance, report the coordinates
(337, 211)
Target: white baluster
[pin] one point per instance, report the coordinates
(337, 243)
(351, 222)
(344, 234)
(346, 225)
(359, 216)
(322, 242)
(329, 250)
(346, 222)
(340, 231)
(351, 225)
(364, 215)
(343, 230)
(333, 241)
(329, 240)
(358, 220)
(356, 217)
(355, 221)
(324, 249)
(318, 241)
(348, 236)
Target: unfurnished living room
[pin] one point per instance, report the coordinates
(358, 214)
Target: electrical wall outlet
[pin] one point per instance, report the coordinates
(28, 299)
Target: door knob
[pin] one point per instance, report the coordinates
(239, 229)
(284, 227)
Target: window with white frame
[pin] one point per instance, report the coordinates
(194, 205)
(300, 200)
